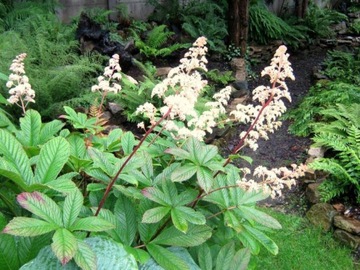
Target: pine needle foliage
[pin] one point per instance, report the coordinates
(341, 135)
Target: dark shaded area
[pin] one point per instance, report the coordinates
(92, 37)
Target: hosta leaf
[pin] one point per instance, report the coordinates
(165, 258)
(183, 173)
(91, 224)
(53, 156)
(128, 142)
(196, 235)
(24, 226)
(241, 259)
(262, 218)
(48, 130)
(14, 153)
(7, 249)
(85, 257)
(204, 257)
(205, 178)
(72, 207)
(225, 256)
(179, 220)
(41, 205)
(125, 213)
(155, 214)
(30, 126)
(101, 161)
(64, 245)
(266, 241)
(156, 195)
(191, 215)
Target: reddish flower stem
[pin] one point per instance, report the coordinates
(111, 184)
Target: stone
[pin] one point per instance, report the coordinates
(316, 152)
(239, 67)
(162, 71)
(347, 224)
(114, 108)
(239, 89)
(349, 239)
(321, 215)
(312, 193)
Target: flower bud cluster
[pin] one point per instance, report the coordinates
(20, 88)
(271, 105)
(180, 92)
(109, 82)
(272, 181)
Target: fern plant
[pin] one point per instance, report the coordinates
(320, 96)
(156, 42)
(341, 135)
(265, 26)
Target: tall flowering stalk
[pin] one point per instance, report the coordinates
(20, 90)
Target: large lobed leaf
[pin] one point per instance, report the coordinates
(64, 245)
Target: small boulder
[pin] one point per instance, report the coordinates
(347, 238)
(312, 193)
(321, 215)
(347, 224)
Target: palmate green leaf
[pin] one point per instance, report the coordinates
(113, 140)
(128, 142)
(109, 255)
(252, 196)
(204, 257)
(85, 257)
(109, 216)
(166, 173)
(125, 213)
(140, 255)
(225, 256)
(97, 174)
(194, 217)
(42, 206)
(241, 259)
(179, 220)
(196, 235)
(63, 184)
(165, 258)
(77, 146)
(194, 147)
(7, 249)
(147, 169)
(232, 221)
(24, 226)
(30, 126)
(266, 241)
(91, 224)
(101, 160)
(64, 245)
(185, 197)
(179, 153)
(72, 207)
(249, 241)
(250, 213)
(184, 172)
(48, 130)
(156, 214)
(156, 195)
(53, 156)
(205, 178)
(9, 171)
(14, 153)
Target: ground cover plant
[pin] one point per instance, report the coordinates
(78, 189)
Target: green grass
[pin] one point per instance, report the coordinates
(303, 247)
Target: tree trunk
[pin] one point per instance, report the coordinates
(301, 7)
(239, 23)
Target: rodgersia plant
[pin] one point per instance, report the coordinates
(156, 199)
